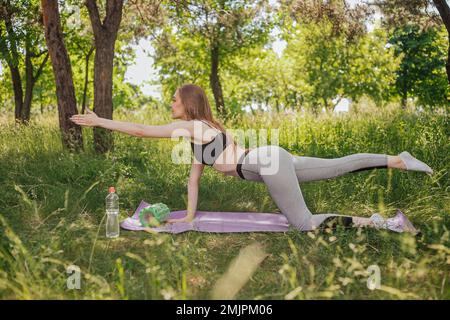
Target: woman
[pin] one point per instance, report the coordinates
(273, 165)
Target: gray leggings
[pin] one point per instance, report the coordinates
(282, 172)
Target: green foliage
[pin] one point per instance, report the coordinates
(315, 71)
(184, 47)
(21, 36)
(261, 79)
(181, 60)
(328, 66)
(421, 73)
(328, 57)
(78, 39)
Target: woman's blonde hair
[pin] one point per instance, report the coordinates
(197, 106)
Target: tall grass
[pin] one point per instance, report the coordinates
(52, 215)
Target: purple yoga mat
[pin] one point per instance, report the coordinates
(211, 221)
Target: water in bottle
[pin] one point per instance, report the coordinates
(112, 214)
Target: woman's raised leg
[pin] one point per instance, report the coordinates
(313, 169)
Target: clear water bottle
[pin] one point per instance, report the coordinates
(112, 214)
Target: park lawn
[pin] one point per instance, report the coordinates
(52, 215)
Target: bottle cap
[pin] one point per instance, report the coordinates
(111, 190)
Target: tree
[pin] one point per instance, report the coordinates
(345, 20)
(397, 13)
(218, 29)
(71, 133)
(444, 12)
(422, 69)
(80, 46)
(332, 55)
(105, 35)
(259, 80)
(21, 47)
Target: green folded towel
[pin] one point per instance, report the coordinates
(158, 211)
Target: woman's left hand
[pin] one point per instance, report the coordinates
(89, 120)
(185, 219)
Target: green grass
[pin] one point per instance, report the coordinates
(52, 215)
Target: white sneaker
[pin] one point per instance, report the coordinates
(399, 223)
(413, 164)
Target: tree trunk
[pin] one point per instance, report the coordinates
(103, 107)
(11, 55)
(72, 138)
(447, 64)
(40, 101)
(30, 79)
(105, 34)
(86, 79)
(215, 81)
(29, 84)
(447, 67)
(18, 93)
(444, 12)
(404, 101)
(326, 105)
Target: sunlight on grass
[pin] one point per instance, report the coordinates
(239, 272)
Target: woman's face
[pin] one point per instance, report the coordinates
(178, 111)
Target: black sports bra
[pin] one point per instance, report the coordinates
(208, 153)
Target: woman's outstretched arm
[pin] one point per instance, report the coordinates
(120, 126)
(175, 129)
